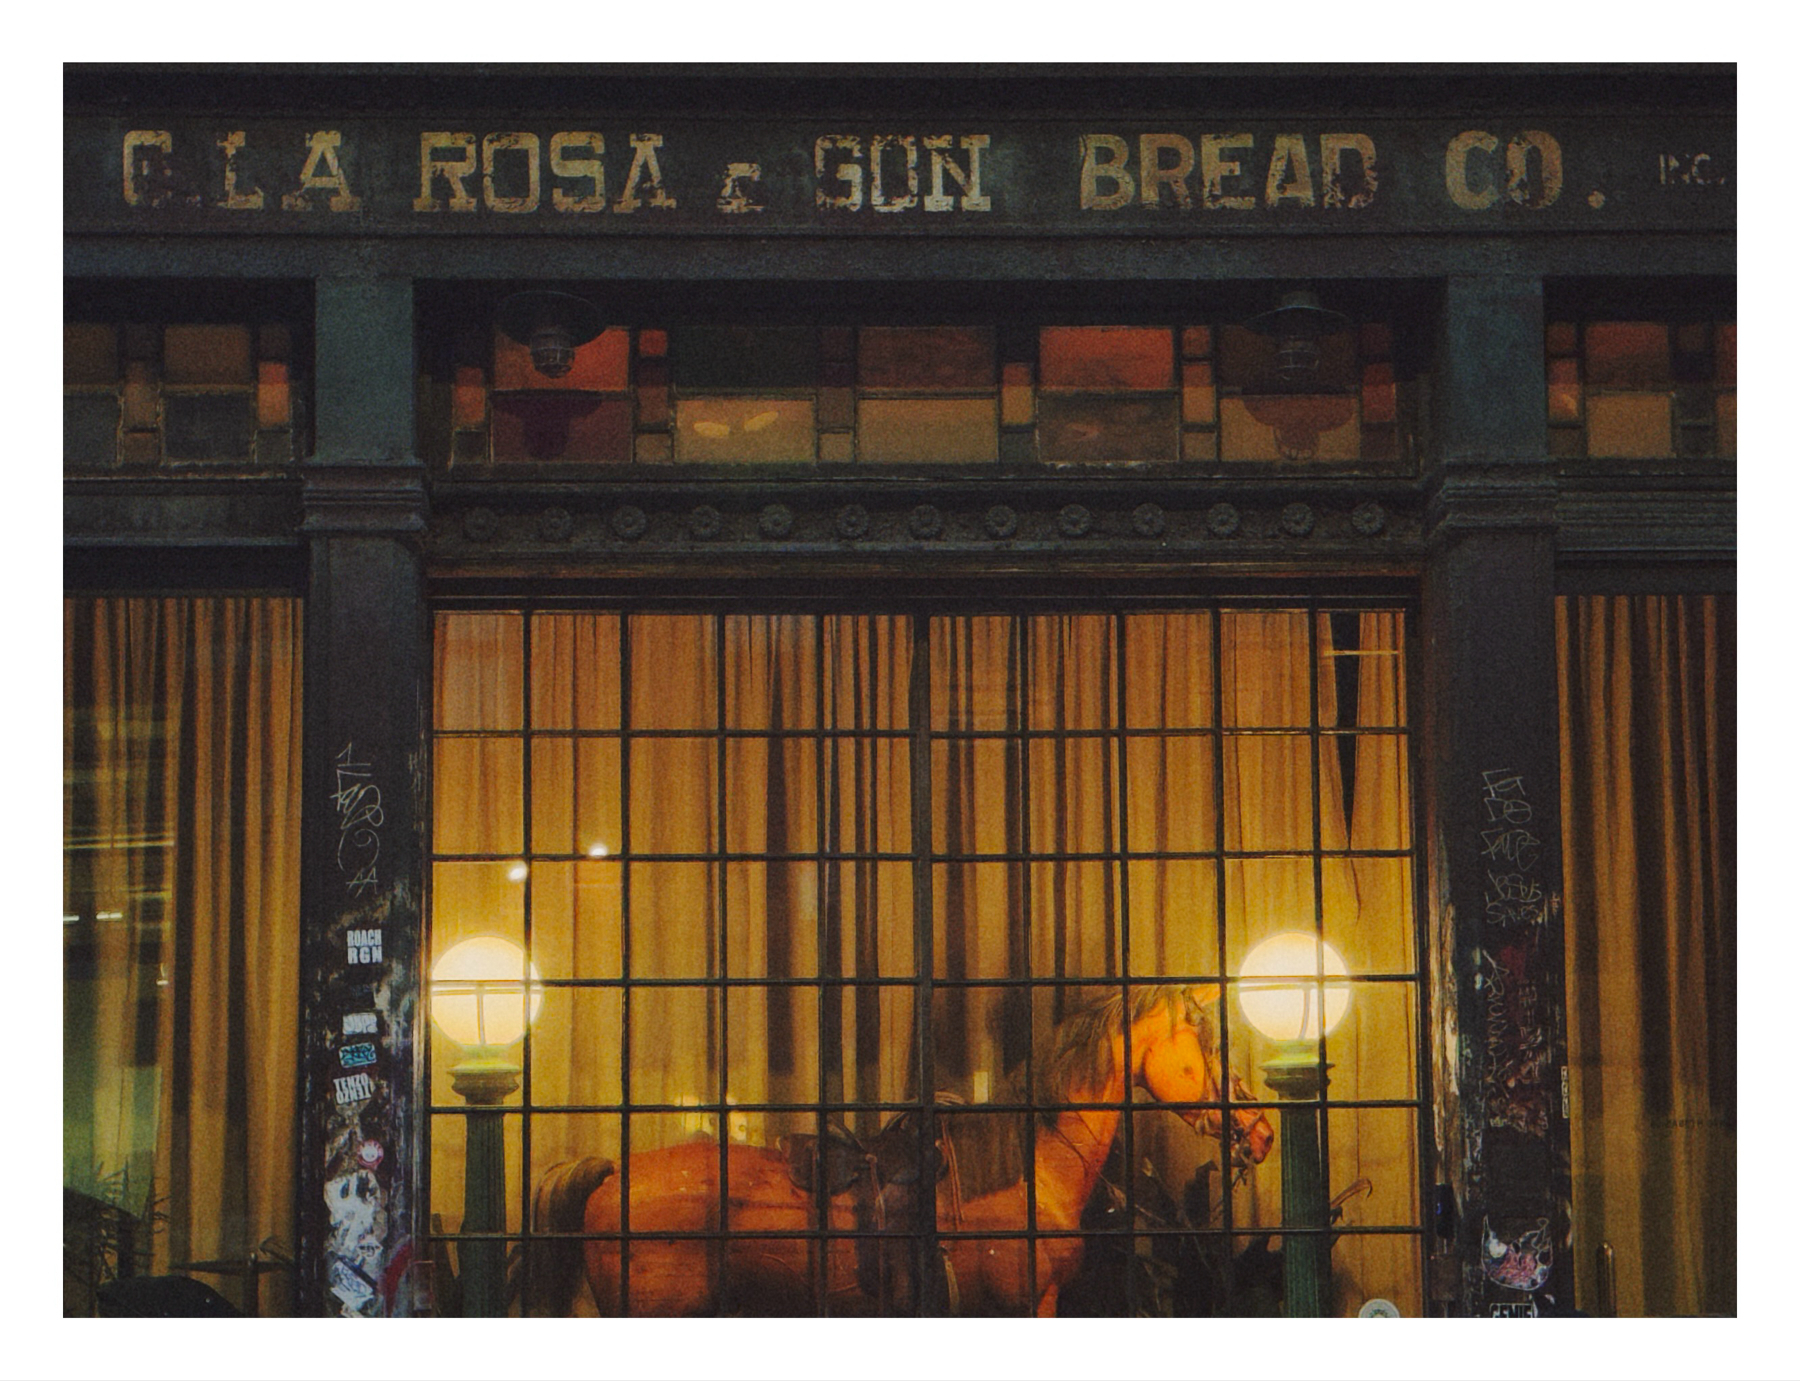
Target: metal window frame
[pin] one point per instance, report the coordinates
(926, 856)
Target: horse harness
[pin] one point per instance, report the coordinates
(868, 1171)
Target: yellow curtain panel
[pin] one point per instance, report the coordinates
(181, 826)
(1649, 691)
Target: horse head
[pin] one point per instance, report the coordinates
(1179, 1067)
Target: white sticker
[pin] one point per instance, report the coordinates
(353, 1088)
(364, 947)
(359, 1023)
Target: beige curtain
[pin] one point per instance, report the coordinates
(181, 728)
(1029, 813)
(1648, 688)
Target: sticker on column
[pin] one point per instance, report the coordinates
(354, 1088)
(354, 1056)
(359, 1023)
(365, 947)
(369, 1153)
(357, 1209)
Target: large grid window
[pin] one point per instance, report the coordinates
(872, 880)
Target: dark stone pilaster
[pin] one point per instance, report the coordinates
(1493, 810)
(361, 1117)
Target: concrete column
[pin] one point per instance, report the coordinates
(1494, 864)
(367, 666)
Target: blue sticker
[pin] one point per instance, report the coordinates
(352, 1056)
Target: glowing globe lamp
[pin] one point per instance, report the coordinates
(485, 994)
(1289, 981)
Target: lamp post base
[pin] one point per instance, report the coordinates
(484, 1084)
(1298, 1077)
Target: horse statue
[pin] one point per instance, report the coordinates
(870, 1189)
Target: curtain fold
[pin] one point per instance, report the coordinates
(1648, 689)
(181, 926)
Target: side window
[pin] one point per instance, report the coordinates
(181, 833)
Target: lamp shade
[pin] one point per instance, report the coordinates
(1281, 990)
(484, 993)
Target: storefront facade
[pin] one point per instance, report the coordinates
(868, 579)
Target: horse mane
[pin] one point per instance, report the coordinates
(1075, 1059)
(1080, 1057)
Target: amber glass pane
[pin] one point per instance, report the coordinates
(755, 430)
(207, 355)
(1727, 445)
(602, 364)
(90, 354)
(1171, 781)
(577, 921)
(575, 671)
(575, 796)
(901, 431)
(1174, 915)
(1378, 399)
(1630, 426)
(478, 797)
(1169, 678)
(1627, 354)
(1198, 397)
(480, 684)
(1289, 426)
(914, 357)
(1078, 427)
(582, 427)
(272, 404)
(1016, 395)
(673, 663)
(1106, 357)
(1565, 390)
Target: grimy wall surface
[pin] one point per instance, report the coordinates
(1472, 194)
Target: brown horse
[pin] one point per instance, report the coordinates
(1171, 1054)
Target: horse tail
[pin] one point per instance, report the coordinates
(553, 1267)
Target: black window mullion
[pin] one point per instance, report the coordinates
(1128, 1116)
(717, 991)
(628, 920)
(1216, 620)
(824, 826)
(1030, 1096)
(1321, 1192)
(525, 1061)
(919, 708)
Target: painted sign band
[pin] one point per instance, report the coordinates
(1197, 176)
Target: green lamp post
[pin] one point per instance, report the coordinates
(1294, 988)
(484, 996)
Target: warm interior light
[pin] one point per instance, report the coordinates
(484, 993)
(1279, 999)
(597, 851)
(518, 872)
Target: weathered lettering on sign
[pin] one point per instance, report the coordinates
(1204, 176)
